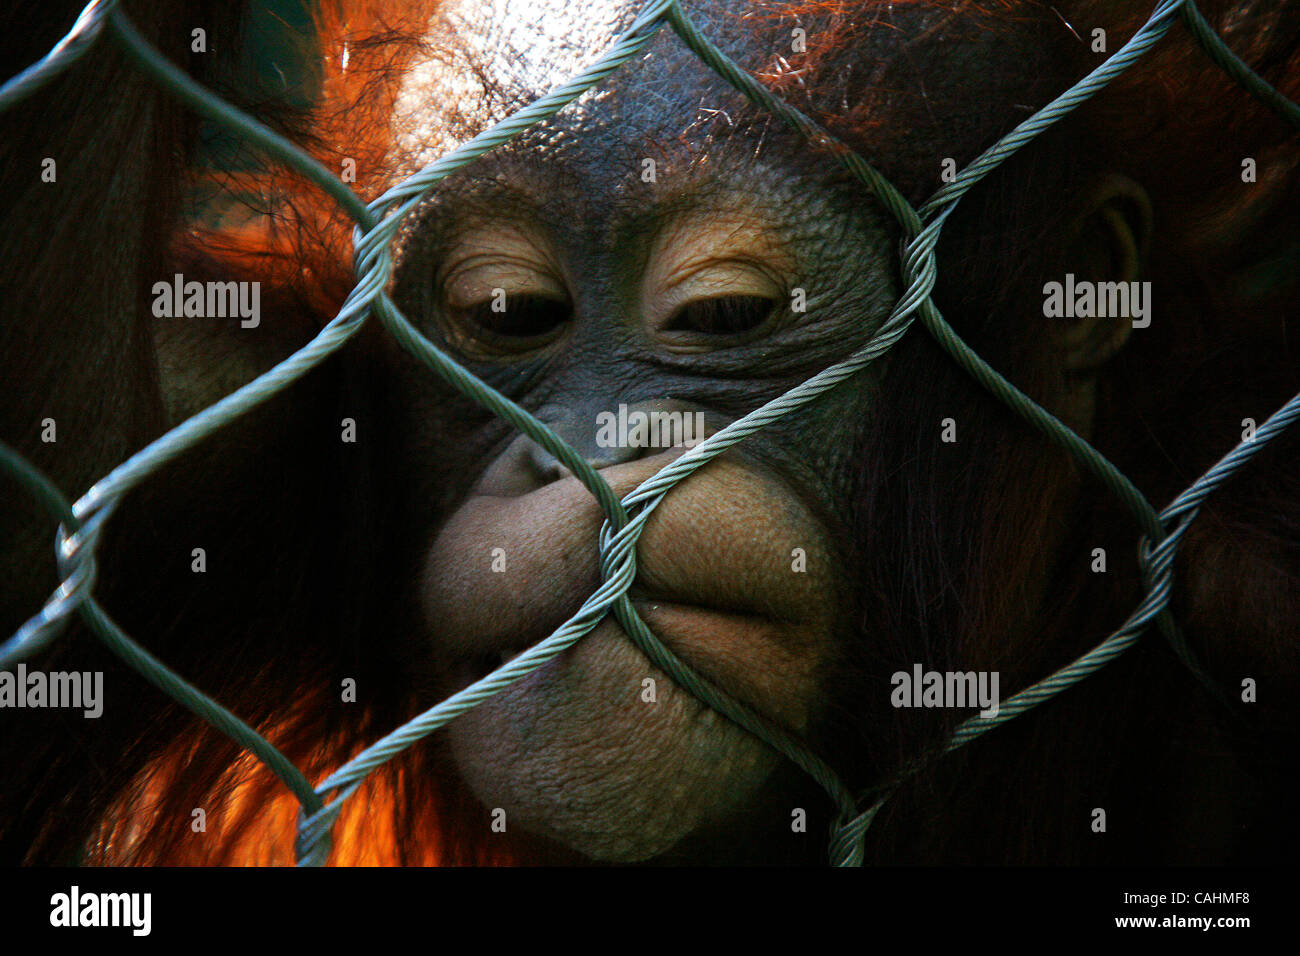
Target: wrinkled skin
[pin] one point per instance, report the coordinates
(741, 208)
(796, 572)
(572, 751)
(604, 275)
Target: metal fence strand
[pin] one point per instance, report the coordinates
(62, 55)
(378, 223)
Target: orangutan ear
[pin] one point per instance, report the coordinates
(1107, 243)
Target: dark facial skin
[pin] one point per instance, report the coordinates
(675, 293)
(748, 262)
(675, 290)
(377, 562)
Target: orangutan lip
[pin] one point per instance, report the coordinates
(479, 665)
(705, 628)
(653, 604)
(738, 608)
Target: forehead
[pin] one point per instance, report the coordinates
(486, 59)
(900, 81)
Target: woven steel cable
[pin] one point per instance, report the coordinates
(1230, 63)
(1159, 581)
(62, 55)
(617, 549)
(847, 833)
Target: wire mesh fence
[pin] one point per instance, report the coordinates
(378, 222)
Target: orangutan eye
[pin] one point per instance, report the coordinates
(714, 282)
(722, 315)
(502, 294)
(521, 318)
